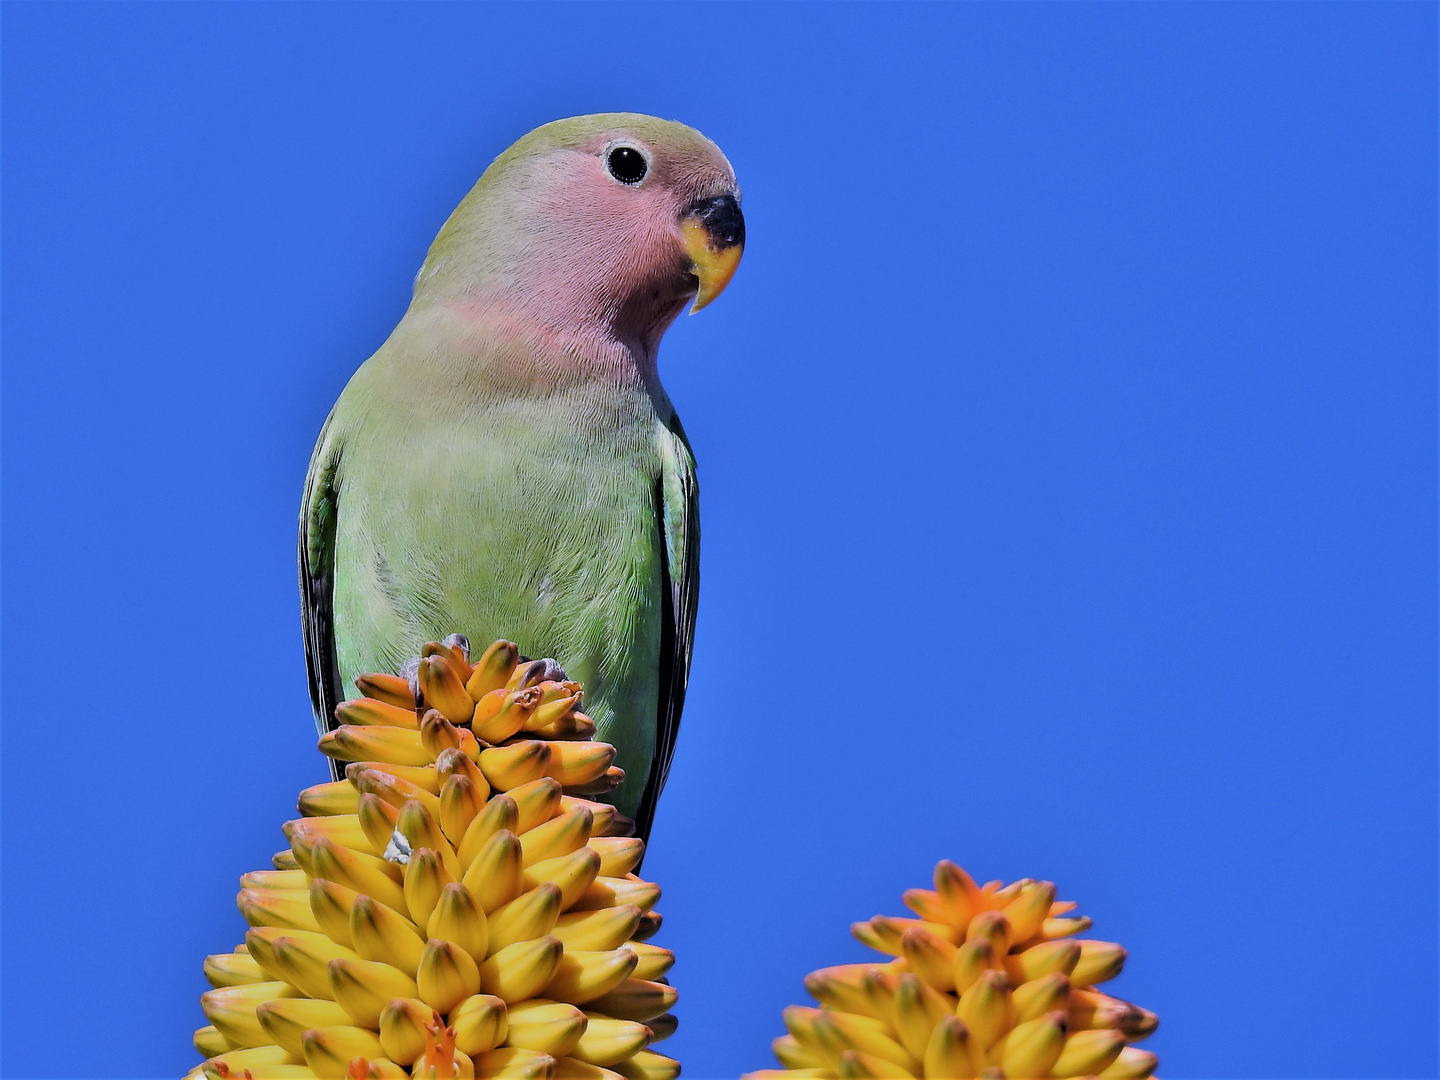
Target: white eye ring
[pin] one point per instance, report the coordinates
(626, 164)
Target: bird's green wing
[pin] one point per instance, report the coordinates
(678, 518)
(318, 515)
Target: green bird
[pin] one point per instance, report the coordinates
(507, 463)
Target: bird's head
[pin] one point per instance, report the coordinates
(613, 221)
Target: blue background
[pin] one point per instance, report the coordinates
(1067, 444)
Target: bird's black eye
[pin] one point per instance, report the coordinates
(627, 164)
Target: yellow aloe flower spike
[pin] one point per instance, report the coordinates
(986, 982)
(461, 873)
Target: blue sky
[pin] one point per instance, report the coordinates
(1067, 451)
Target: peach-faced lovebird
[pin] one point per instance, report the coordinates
(507, 464)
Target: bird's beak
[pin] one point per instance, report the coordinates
(714, 231)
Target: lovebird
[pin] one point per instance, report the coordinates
(507, 464)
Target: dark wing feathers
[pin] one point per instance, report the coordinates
(317, 577)
(677, 515)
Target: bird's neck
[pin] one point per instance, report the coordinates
(529, 341)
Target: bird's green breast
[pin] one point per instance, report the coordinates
(530, 517)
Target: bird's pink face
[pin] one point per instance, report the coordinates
(639, 227)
